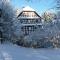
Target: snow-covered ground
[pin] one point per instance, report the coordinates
(13, 52)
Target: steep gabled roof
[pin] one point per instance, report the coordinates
(28, 9)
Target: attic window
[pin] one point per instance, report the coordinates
(0, 12)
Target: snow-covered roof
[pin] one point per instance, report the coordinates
(27, 8)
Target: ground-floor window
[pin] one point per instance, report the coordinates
(28, 29)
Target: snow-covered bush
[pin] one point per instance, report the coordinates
(48, 36)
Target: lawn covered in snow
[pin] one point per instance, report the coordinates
(13, 52)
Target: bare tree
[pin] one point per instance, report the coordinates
(58, 8)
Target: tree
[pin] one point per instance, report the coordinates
(57, 7)
(49, 16)
(7, 16)
(46, 36)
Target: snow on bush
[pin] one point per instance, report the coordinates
(48, 36)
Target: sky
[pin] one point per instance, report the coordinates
(39, 5)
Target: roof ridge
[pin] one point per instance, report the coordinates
(28, 8)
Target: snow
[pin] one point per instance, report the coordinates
(28, 17)
(13, 52)
(30, 24)
(28, 8)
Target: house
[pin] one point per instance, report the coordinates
(30, 20)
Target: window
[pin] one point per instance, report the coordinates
(36, 20)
